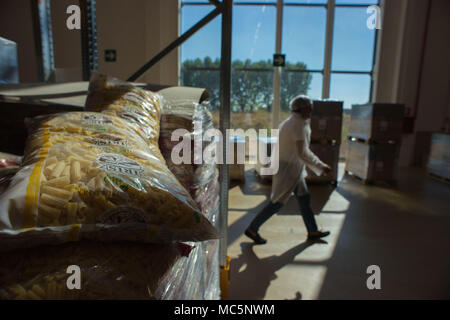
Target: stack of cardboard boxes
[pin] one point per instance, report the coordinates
(374, 141)
(439, 159)
(237, 159)
(267, 143)
(326, 132)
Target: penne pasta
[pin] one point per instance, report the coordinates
(75, 171)
(59, 182)
(53, 201)
(57, 192)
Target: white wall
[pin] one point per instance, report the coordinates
(16, 24)
(136, 29)
(435, 84)
(66, 43)
(399, 64)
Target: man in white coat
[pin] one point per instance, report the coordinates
(293, 155)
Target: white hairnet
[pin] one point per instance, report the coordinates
(300, 102)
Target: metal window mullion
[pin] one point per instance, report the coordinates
(353, 5)
(304, 5)
(277, 70)
(328, 50)
(272, 4)
(304, 71)
(376, 55)
(225, 92)
(351, 72)
(177, 42)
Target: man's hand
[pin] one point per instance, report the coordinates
(326, 170)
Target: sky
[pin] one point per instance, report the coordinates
(303, 40)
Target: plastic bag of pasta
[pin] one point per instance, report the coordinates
(141, 108)
(88, 270)
(86, 175)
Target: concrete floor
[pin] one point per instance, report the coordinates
(404, 230)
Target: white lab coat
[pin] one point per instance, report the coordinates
(291, 166)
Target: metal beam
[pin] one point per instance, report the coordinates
(37, 40)
(215, 2)
(176, 43)
(225, 93)
(328, 50)
(277, 70)
(89, 52)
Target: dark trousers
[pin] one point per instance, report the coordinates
(304, 202)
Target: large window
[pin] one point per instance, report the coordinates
(341, 70)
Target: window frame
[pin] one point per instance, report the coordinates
(326, 71)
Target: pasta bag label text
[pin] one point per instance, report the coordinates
(114, 163)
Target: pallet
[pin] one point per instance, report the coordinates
(263, 179)
(369, 141)
(323, 182)
(438, 177)
(325, 141)
(389, 183)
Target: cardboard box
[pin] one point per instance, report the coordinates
(439, 159)
(377, 122)
(326, 121)
(267, 143)
(329, 154)
(237, 172)
(9, 68)
(372, 162)
(237, 159)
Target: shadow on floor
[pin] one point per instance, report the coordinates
(320, 195)
(397, 232)
(257, 274)
(405, 231)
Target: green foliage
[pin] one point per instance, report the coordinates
(251, 87)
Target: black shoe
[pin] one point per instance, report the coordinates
(255, 236)
(317, 235)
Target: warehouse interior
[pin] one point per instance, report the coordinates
(398, 221)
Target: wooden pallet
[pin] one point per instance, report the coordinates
(322, 182)
(263, 179)
(325, 141)
(438, 177)
(388, 183)
(370, 141)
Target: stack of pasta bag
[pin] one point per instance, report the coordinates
(192, 119)
(94, 191)
(326, 132)
(374, 140)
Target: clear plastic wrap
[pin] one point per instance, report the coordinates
(196, 120)
(8, 160)
(9, 165)
(86, 175)
(139, 107)
(201, 270)
(119, 270)
(107, 271)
